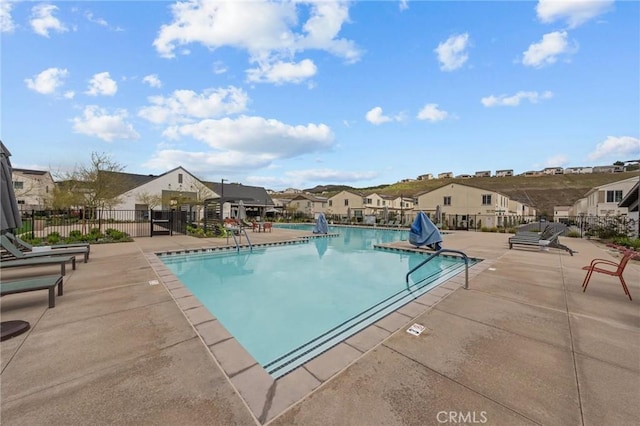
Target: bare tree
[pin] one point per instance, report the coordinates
(151, 200)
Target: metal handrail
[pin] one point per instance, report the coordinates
(444, 250)
(247, 237)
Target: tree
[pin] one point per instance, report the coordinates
(92, 188)
(151, 200)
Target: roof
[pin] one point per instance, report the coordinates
(30, 172)
(235, 192)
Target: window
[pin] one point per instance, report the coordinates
(486, 200)
(18, 185)
(368, 201)
(614, 196)
(330, 203)
(346, 202)
(179, 177)
(447, 201)
(378, 202)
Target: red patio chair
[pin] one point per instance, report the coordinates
(619, 270)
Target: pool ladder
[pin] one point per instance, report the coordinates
(235, 240)
(436, 254)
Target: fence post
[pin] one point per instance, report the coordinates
(33, 224)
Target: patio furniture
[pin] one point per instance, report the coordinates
(47, 282)
(611, 268)
(19, 242)
(549, 242)
(14, 251)
(41, 261)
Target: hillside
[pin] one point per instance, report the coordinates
(542, 192)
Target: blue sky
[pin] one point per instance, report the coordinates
(296, 94)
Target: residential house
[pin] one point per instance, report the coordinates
(614, 168)
(505, 172)
(604, 200)
(308, 204)
(462, 206)
(630, 202)
(561, 213)
(484, 173)
(427, 176)
(553, 171)
(346, 205)
(375, 204)
(445, 175)
(464, 176)
(33, 188)
(578, 170)
(529, 173)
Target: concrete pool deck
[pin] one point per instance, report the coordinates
(524, 345)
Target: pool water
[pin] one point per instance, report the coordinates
(287, 304)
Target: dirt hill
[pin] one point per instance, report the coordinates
(542, 192)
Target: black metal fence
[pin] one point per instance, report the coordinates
(135, 223)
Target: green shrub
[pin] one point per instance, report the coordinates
(633, 243)
(573, 234)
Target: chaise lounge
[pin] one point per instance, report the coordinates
(19, 242)
(14, 251)
(541, 242)
(41, 261)
(47, 282)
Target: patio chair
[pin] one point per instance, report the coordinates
(19, 242)
(14, 251)
(614, 270)
(47, 282)
(40, 261)
(551, 242)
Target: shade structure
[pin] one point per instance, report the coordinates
(321, 227)
(10, 215)
(424, 233)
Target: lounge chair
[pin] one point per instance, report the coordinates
(6, 244)
(41, 261)
(615, 269)
(47, 282)
(552, 242)
(19, 242)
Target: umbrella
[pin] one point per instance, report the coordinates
(10, 215)
(242, 210)
(9, 219)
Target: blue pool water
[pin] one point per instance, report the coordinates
(287, 304)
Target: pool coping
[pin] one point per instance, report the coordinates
(268, 398)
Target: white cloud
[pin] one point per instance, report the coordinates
(575, 12)
(47, 81)
(452, 53)
(43, 21)
(282, 72)
(617, 147)
(257, 136)
(98, 122)
(6, 21)
(99, 21)
(404, 4)
(559, 160)
(219, 68)
(102, 84)
(514, 100)
(265, 29)
(432, 113)
(69, 94)
(546, 51)
(375, 116)
(186, 105)
(152, 80)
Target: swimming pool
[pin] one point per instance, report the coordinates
(287, 304)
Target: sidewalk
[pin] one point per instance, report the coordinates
(524, 345)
